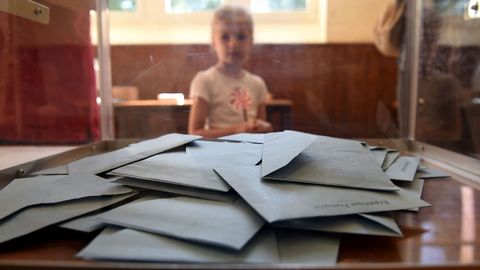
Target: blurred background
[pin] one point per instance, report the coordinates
(317, 58)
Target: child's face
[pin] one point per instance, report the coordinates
(232, 42)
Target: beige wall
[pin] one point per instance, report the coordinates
(352, 21)
(338, 21)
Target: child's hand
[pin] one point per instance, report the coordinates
(246, 127)
(261, 126)
(254, 126)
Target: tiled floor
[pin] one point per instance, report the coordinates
(15, 155)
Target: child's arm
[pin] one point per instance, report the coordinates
(196, 122)
(261, 124)
(262, 112)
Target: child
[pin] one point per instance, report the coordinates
(227, 98)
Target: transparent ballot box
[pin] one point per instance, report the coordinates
(370, 159)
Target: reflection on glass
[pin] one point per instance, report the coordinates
(468, 214)
(264, 6)
(314, 66)
(432, 229)
(47, 78)
(467, 249)
(122, 5)
(448, 114)
(467, 253)
(188, 6)
(432, 254)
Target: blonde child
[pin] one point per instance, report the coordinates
(227, 98)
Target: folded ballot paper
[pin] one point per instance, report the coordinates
(29, 204)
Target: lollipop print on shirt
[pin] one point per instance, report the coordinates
(241, 100)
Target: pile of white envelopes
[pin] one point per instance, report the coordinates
(282, 197)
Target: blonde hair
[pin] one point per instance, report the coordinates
(233, 14)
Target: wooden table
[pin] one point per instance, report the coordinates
(444, 236)
(150, 118)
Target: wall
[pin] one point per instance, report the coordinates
(344, 90)
(332, 21)
(352, 21)
(339, 83)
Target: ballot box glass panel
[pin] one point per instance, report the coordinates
(48, 73)
(447, 105)
(89, 88)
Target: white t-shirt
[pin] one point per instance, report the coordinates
(228, 97)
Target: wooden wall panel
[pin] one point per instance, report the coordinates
(344, 90)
